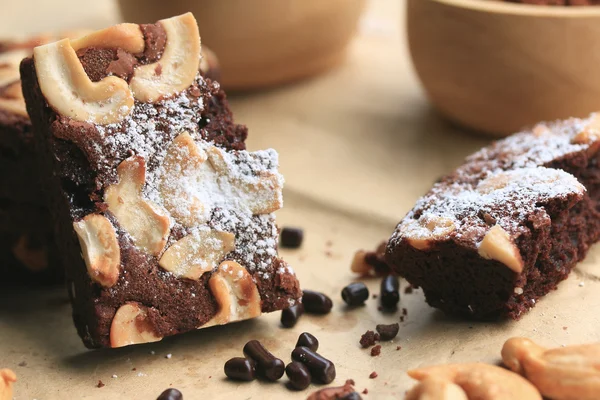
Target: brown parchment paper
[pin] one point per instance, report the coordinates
(358, 145)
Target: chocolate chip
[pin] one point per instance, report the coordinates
(307, 340)
(298, 374)
(170, 394)
(355, 294)
(387, 332)
(373, 375)
(240, 369)
(291, 238)
(290, 316)
(267, 365)
(320, 368)
(390, 294)
(100, 384)
(316, 302)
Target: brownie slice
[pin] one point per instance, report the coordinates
(507, 226)
(165, 223)
(27, 245)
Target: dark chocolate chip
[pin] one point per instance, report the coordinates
(387, 332)
(320, 368)
(241, 369)
(290, 316)
(390, 294)
(355, 294)
(291, 238)
(298, 374)
(368, 339)
(267, 365)
(307, 340)
(316, 302)
(170, 394)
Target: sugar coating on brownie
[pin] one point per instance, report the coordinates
(174, 220)
(525, 203)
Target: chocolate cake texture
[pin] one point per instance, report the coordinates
(164, 221)
(507, 226)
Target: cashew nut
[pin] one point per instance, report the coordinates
(566, 373)
(178, 65)
(129, 37)
(197, 253)
(481, 381)
(100, 248)
(497, 245)
(436, 389)
(7, 378)
(235, 293)
(130, 325)
(69, 90)
(146, 223)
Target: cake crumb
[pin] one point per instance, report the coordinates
(100, 384)
(375, 351)
(581, 284)
(168, 356)
(365, 391)
(114, 376)
(398, 348)
(373, 375)
(368, 339)
(23, 364)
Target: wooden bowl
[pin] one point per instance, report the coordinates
(496, 67)
(263, 42)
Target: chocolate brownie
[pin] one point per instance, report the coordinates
(506, 227)
(25, 253)
(164, 221)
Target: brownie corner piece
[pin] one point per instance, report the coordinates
(508, 225)
(165, 222)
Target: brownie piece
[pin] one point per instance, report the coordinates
(165, 223)
(506, 227)
(27, 246)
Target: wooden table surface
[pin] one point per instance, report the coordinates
(357, 145)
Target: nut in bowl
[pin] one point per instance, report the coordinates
(263, 43)
(497, 67)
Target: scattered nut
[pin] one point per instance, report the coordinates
(497, 245)
(480, 381)
(197, 253)
(128, 37)
(35, 259)
(7, 378)
(436, 389)
(148, 225)
(420, 233)
(100, 248)
(359, 264)
(130, 326)
(69, 90)
(541, 130)
(235, 292)
(179, 63)
(565, 373)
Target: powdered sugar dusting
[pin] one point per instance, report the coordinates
(505, 198)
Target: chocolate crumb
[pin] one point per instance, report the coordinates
(366, 391)
(398, 348)
(100, 384)
(134, 369)
(408, 289)
(375, 351)
(404, 311)
(374, 295)
(402, 318)
(291, 238)
(373, 375)
(23, 364)
(368, 339)
(564, 328)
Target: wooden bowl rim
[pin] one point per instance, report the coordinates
(505, 8)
